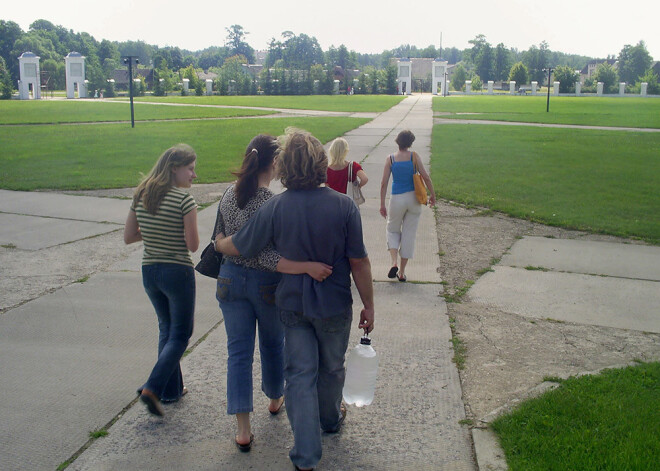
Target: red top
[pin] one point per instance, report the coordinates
(338, 179)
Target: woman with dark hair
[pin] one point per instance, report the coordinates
(404, 209)
(246, 291)
(312, 222)
(164, 216)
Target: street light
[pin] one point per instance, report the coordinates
(130, 60)
(549, 70)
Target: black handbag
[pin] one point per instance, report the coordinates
(210, 261)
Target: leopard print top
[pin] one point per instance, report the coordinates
(233, 218)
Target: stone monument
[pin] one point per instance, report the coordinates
(29, 85)
(75, 75)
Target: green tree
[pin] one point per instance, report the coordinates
(236, 43)
(301, 52)
(536, 59)
(390, 80)
(606, 73)
(519, 73)
(10, 32)
(502, 62)
(458, 78)
(6, 87)
(634, 61)
(566, 76)
(481, 55)
(56, 72)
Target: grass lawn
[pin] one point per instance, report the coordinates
(606, 422)
(113, 155)
(599, 181)
(352, 103)
(74, 111)
(595, 111)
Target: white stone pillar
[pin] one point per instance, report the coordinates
(335, 87)
(209, 87)
(404, 74)
(555, 88)
(75, 75)
(534, 86)
(512, 87)
(438, 76)
(186, 85)
(28, 67)
(468, 87)
(622, 88)
(644, 88)
(578, 88)
(490, 87)
(599, 89)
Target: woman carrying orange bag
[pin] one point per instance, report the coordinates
(404, 208)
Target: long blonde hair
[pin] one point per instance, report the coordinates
(338, 151)
(302, 163)
(153, 187)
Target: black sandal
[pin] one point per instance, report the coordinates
(247, 446)
(392, 272)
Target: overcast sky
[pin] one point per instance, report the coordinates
(588, 27)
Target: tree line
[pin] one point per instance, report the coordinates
(293, 63)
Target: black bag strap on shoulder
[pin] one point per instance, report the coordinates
(218, 219)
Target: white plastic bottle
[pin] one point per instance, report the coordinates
(361, 369)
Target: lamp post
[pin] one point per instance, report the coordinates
(130, 60)
(547, 106)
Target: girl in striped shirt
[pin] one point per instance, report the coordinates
(164, 217)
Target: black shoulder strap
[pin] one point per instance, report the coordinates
(218, 219)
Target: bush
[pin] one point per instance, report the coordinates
(566, 76)
(477, 84)
(458, 78)
(652, 79)
(606, 73)
(519, 73)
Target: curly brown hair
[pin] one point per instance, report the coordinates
(302, 163)
(405, 139)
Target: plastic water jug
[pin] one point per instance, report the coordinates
(361, 369)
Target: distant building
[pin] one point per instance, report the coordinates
(589, 69)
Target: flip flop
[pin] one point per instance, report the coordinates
(392, 272)
(247, 446)
(278, 409)
(402, 278)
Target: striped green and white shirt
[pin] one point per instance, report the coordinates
(162, 233)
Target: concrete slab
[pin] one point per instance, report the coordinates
(34, 233)
(583, 299)
(588, 257)
(413, 422)
(61, 350)
(81, 208)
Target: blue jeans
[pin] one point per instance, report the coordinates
(171, 289)
(247, 300)
(314, 352)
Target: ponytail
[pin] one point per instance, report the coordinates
(259, 155)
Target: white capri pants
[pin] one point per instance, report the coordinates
(402, 220)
